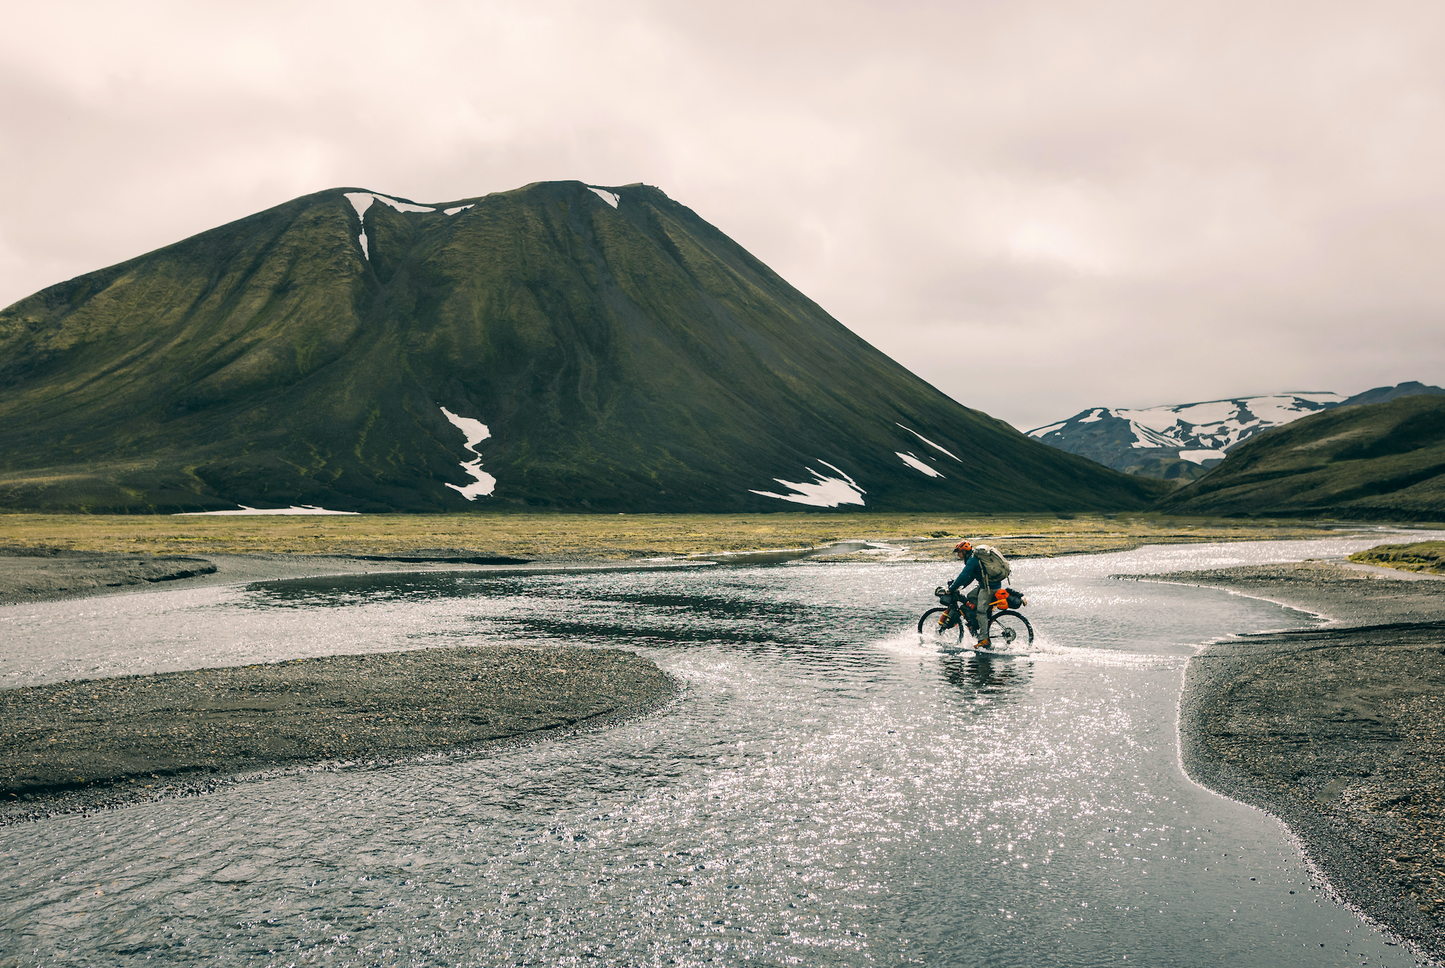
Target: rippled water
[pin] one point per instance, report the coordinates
(827, 791)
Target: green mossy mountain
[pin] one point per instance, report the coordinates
(624, 357)
(1379, 462)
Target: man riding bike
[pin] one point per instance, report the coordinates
(972, 572)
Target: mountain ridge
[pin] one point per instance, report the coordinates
(1376, 461)
(1183, 441)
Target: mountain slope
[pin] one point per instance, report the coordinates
(557, 346)
(1383, 461)
(1386, 394)
(1182, 441)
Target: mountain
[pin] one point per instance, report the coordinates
(1386, 394)
(1182, 441)
(1383, 461)
(558, 346)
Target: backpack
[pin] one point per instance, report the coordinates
(995, 566)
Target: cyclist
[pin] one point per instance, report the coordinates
(972, 572)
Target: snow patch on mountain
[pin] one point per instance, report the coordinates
(1283, 408)
(611, 198)
(361, 201)
(917, 464)
(475, 431)
(459, 208)
(823, 491)
(243, 509)
(930, 443)
(402, 206)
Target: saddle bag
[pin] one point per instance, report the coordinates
(1009, 598)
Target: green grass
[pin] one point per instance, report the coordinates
(1424, 556)
(615, 536)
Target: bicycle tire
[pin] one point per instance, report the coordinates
(1009, 630)
(928, 626)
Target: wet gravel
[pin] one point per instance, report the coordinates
(86, 744)
(35, 575)
(1339, 731)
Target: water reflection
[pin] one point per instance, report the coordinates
(986, 679)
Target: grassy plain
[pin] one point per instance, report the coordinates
(1426, 556)
(616, 537)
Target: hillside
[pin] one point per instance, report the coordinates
(1182, 441)
(554, 347)
(1383, 461)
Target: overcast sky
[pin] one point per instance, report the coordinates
(1037, 207)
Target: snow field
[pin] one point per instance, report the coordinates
(930, 443)
(917, 464)
(243, 509)
(609, 197)
(821, 492)
(475, 432)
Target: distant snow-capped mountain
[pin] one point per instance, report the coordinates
(1182, 441)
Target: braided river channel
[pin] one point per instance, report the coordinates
(825, 790)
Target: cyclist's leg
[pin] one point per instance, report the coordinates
(980, 597)
(972, 612)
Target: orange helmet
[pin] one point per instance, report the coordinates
(963, 548)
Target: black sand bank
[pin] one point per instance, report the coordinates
(81, 744)
(36, 575)
(1339, 731)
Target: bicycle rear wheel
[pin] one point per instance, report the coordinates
(1010, 631)
(929, 628)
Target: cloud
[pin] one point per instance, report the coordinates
(1038, 207)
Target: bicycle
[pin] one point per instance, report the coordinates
(1006, 629)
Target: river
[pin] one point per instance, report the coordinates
(825, 791)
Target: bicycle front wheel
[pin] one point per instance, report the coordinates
(929, 628)
(1010, 631)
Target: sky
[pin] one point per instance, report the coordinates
(1037, 207)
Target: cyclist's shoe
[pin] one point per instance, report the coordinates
(983, 644)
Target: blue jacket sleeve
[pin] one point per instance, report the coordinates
(967, 577)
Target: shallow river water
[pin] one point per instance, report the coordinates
(826, 791)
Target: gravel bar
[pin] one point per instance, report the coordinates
(1338, 730)
(84, 744)
(45, 574)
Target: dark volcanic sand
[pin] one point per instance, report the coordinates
(81, 744)
(45, 574)
(1338, 731)
(91, 743)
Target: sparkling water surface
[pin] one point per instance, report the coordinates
(826, 791)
